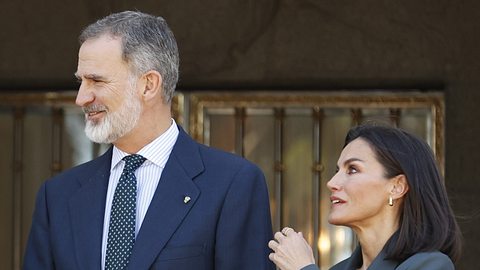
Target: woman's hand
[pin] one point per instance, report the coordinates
(290, 250)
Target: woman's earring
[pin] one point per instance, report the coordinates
(390, 200)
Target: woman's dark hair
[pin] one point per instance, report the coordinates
(427, 222)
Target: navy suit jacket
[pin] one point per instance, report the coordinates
(225, 226)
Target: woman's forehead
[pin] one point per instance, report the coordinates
(358, 149)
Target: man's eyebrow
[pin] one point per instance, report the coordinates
(95, 77)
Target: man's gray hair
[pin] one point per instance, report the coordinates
(147, 44)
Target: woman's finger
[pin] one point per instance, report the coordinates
(273, 245)
(287, 230)
(279, 236)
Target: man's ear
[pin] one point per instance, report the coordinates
(153, 85)
(399, 186)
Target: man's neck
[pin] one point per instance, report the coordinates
(143, 134)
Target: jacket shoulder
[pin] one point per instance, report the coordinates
(84, 169)
(341, 265)
(427, 260)
(310, 267)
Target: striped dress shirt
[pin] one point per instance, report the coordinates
(148, 176)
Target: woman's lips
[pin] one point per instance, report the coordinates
(336, 200)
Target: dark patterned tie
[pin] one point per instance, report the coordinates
(121, 233)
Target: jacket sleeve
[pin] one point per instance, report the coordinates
(310, 267)
(38, 252)
(427, 260)
(244, 227)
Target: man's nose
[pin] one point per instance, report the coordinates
(84, 95)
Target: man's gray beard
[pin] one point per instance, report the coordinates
(115, 125)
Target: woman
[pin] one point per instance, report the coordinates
(389, 191)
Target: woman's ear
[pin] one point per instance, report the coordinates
(399, 186)
(153, 85)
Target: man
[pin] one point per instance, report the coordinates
(156, 199)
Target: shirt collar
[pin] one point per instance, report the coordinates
(156, 152)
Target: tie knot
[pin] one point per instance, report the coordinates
(132, 162)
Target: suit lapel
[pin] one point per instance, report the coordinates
(355, 260)
(380, 263)
(87, 209)
(168, 207)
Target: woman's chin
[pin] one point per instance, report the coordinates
(335, 220)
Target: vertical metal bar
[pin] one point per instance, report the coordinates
(179, 113)
(18, 129)
(184, 111)
(279, 123)
(357, 117)
(395, 114)
(317, 114)
(206, 127)
(438, 143)
(240, 115)
(57, 128)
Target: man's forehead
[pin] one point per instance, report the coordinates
(102, 49)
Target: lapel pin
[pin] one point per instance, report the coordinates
(186, 199)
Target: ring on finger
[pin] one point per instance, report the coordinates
(286, 230)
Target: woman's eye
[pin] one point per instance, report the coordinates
(351, 170)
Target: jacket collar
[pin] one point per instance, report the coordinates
(379, 263)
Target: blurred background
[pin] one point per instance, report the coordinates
(279, 82)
